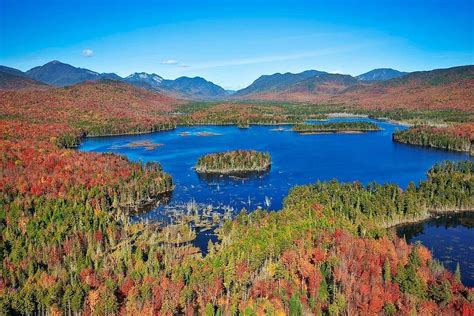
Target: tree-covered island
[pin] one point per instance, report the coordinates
(232, 162)
(336, 127)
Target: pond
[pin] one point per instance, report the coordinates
(450, 237)
(296, 160)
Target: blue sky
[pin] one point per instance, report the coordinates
(232, 43)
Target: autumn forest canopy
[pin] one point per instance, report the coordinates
(69, 246)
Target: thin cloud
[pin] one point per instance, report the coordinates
(169, 62)
(87, 52)
(276, 58)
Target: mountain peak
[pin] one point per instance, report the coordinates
(381, 74)
(60, 74)
(278, 81)
(145, 79)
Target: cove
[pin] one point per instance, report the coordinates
(450, 237)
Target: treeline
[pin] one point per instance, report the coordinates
(456, 138)
(450, 186)
(336, 127)
(418, 116)
(243, 114)
(234, 162)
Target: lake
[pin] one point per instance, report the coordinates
(450, 238)
(296, 160)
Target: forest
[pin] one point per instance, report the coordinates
(236, 161)
(80, 254)
(68, 245)
(245, 114)
(335, 127)
(449, 187)
(456, 138)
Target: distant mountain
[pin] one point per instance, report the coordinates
(152, 80)
(436, 77)
(381, 74)
(12, 71)
(285, 86)
(110, 76)
(10, 81)
(440, 88)
(277, 81)
(325, 83)
(196, 87)
(185, 87)
(60, 74)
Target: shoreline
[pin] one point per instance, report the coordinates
(432, 213)
(467, 151)
(232, 171)
(346, 115)
(337, 132)
(329, 115)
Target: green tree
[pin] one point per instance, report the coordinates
(295, 306)
(387, 274)
(457, 273)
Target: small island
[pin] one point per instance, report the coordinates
(234, 162)
(336, 127)
(148, 145)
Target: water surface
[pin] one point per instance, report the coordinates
(296, 160)
(450, 239)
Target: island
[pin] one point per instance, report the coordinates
(148, 145)
(234, 162)
(336, 127)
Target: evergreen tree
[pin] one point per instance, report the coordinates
(457, 273)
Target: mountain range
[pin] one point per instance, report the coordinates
(56, 73)
(59, 74)
(386, 87)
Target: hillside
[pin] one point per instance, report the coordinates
(441, 88)
(11, 81)
(102, 107)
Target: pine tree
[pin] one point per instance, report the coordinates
(387, 274)
(457, 273)
(295, 306)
